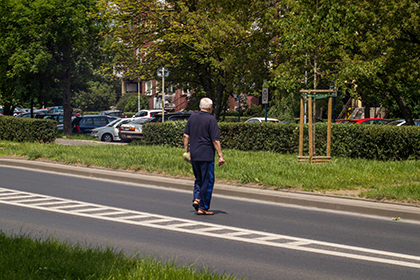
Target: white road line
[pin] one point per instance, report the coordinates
(138, 216)
(267, 238)
(145, 219)
(298, 243)
(31, 200)
(92, 210)
(110, 213)
(12, 197)
(49, 203)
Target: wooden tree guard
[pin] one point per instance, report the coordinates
(313, 94)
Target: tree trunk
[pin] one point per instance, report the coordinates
(67, 129)
(219, 100)
(32, 108)
(367, 111)
(403, 107)
(8, 109)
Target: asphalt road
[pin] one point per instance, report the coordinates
(245, 237)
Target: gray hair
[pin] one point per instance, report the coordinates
(205, 103)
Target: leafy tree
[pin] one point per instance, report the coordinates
(212, 47)
(50, 47)
(310, 51)
(98, 97)
(254, 111)
(387, 46)
(369, 48)
(23, 59)
(129, 102)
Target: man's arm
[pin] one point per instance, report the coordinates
(218, 147)
(186, 142)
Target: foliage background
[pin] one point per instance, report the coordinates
(129, 102)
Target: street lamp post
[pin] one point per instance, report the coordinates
(163, 72)
(138, 96)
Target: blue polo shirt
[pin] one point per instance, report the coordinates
(203, 130)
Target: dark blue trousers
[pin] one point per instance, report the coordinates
(204, 182)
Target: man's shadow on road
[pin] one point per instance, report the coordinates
(216, 212)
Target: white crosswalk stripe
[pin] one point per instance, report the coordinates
(95, 211)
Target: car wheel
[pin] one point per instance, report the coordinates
(107, 137)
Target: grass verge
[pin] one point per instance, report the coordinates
(392, 180)
(80, 136)
(22, 257)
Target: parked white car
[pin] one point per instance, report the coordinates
(261, 120)
(146, 114)
(110, 132)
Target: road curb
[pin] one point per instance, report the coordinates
(327, 202)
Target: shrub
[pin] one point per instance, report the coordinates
(167, 133)
(27, 129)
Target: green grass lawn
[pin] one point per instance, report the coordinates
(390, 180)
(23, 257)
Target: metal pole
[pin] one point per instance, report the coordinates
(265, 112)
(138, 96)
(239, 108)
(163, 94)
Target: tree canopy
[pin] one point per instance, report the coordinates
(49, 48)
(212, 47)
(368, 48)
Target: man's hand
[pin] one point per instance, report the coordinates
(221, 160)
(187, 156)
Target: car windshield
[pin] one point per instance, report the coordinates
(113, 122)
(141, 121)
(396, 122)
(140, 114)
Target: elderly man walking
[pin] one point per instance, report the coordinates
(203, 136)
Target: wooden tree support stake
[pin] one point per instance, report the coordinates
(314, 94)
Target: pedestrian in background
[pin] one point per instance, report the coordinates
(203, 136)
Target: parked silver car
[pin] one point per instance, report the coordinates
(110, 132)
(133, 130)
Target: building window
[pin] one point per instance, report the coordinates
(186, 92)
(149, 87)
(131, 87)
(157, 102)
(170, 89)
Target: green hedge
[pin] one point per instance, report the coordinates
(27, 130)
(379, 142)
(167, 133)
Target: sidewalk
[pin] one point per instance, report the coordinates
(330, 202)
